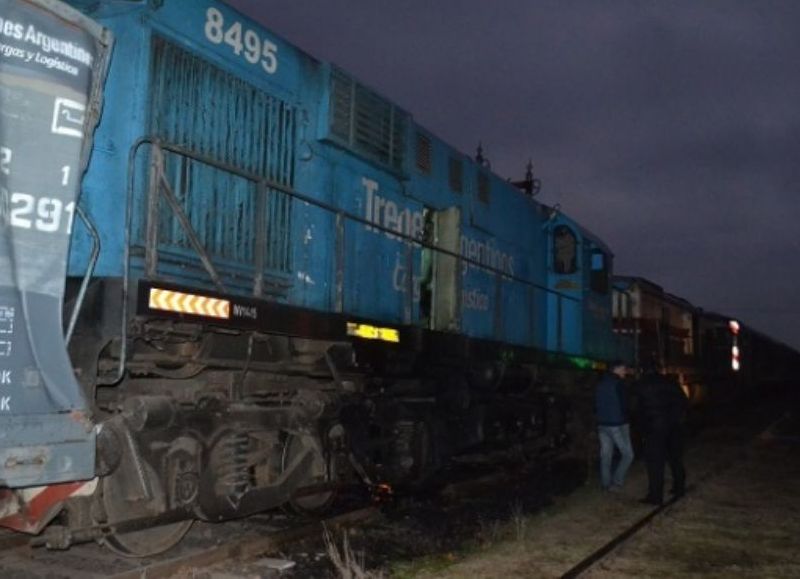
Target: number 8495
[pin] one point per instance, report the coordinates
(244, 42)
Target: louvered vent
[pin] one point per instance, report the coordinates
(200, 107)
(366, 123)
(456, 175)
(484, 191)
(424, 162)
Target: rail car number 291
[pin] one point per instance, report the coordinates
(26, 211)
(244, 42)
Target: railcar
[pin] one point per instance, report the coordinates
(717, 359)
(277, 281)
(660, 328)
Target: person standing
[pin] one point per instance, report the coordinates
(613, 428)
(662, 406)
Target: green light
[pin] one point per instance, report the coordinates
(582, 363)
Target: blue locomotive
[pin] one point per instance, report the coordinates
(277, 281)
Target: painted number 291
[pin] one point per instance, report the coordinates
(44, 214)
(244, 42)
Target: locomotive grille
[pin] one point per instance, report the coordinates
(424, 154)
(203, 109)
(366, 122)
(456, 175)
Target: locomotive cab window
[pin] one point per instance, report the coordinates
(565, 253)
(598, 278)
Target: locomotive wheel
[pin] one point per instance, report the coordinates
(321, 473)
(147, 542)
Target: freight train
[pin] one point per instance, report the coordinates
(717, 359)
(272, 282)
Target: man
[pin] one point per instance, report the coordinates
(613, 428)
(662, 406)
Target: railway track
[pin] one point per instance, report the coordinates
(207, 545)
(626, 535)
(204, 546)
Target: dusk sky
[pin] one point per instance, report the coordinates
(670, 129)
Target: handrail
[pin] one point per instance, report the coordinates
(76, 309)
(158, 187)
(262, 182)
(336, 211)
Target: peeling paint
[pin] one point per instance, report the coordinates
(305, 278)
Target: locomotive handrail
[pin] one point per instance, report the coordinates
(338, 211)
(159, 186)
(340, 214)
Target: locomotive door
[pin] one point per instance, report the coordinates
(446, 290)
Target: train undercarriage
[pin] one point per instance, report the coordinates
(215, 423)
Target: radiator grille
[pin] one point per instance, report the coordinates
(456, 175)
(484, 187)
(424, 154)
(210, 112)
(366, 122)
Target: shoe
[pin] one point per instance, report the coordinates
(651, 501)
(614, 489)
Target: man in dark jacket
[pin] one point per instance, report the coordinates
(662, 407)
(613, 428)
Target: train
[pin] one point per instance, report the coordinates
(238, 278)
(717, 359)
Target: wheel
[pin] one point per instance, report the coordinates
(147, 542)
(321, 473)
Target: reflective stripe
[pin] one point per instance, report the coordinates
(183, 303)
(369, 332)
(30, 510)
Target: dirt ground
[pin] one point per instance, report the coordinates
(741, 518)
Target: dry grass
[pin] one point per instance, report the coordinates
(348, 564)
(743, 522)
(518, 521)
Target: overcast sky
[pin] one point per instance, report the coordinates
(670, 129)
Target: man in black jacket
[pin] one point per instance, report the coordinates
(662, 407)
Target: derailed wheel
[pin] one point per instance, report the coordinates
(148, 542)
(322, 473)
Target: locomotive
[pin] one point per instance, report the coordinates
(718, 360)
(273, 281)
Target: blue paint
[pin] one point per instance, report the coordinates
(505, 229)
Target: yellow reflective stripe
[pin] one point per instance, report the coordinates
(369, 332)
(183, 303)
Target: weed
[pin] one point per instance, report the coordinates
(348, 565)
(519, 521)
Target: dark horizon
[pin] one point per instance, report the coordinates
(671, 131)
